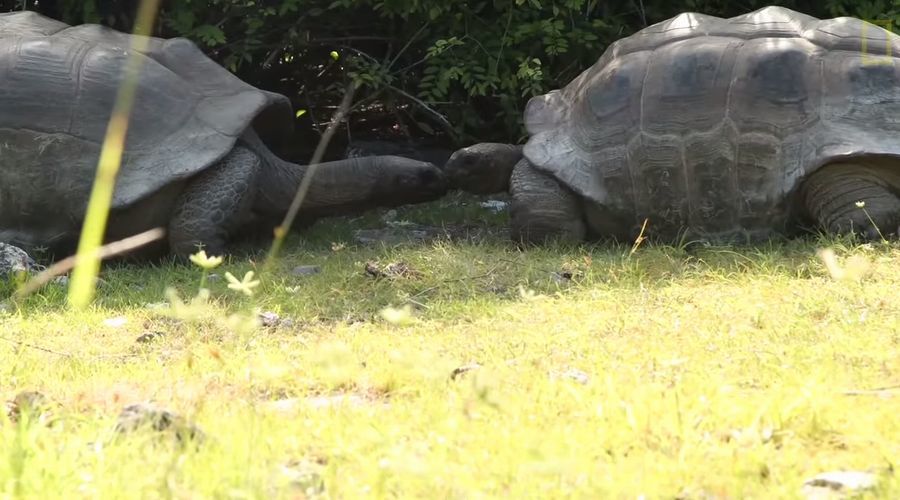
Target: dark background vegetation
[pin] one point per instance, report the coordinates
(473, 62)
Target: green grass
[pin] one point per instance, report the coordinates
(712, 372)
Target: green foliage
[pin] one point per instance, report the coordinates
(475, 63)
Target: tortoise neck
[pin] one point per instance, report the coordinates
(278, 179)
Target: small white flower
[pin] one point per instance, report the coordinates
(206, 262)
(246, 285)
(860, 204)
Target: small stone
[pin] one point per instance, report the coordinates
(269, 319)
(371, 269)
(462, 370)
(574, 375)
(837, 484)
(141, 415)
(306, 270)
(561, 277)
(495, 206)
(115, 322)
(147, 337)
(31, 403)
(391, 271)
(212, 278)
(61, 280)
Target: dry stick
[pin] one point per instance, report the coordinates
(36, 347)
(879, 391)
(282, 230)
(106, 251)
(61, 353)
(640, 238)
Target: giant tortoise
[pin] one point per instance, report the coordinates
(196, 159)
(719, 129)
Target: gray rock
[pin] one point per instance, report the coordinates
(15, 260)
(462, 370)
(838, 484)
(145, 416)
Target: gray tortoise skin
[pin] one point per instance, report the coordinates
(196, 160)
(718, 129)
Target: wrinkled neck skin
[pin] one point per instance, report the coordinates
(278, 179)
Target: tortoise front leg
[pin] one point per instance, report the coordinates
(215, 204)
(542, 209)
(854, 198)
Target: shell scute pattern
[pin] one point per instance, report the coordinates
(712, 123)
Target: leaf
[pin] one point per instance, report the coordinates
(210, 35)
(299, 113)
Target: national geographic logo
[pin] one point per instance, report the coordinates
(875, 55)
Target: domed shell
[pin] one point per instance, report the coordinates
(57, 88)
(711, 123)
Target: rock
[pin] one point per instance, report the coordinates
(115, 321)
(146, 416)
(838, 484)
(495, 206)
(561, 277)
(15, 260)
(31, 403)
(391, 271)
(462, 370)
(306, 270)
(147, 337)
(269, 319)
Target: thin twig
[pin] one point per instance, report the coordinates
(36, 347)
(640, 238)
(879, 391)
(441, 118)
(60, 353)
(408, 43)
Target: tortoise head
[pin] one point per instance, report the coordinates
(482, 168)
(404, 181)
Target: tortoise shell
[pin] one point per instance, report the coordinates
(57, 88)
(710, 124)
